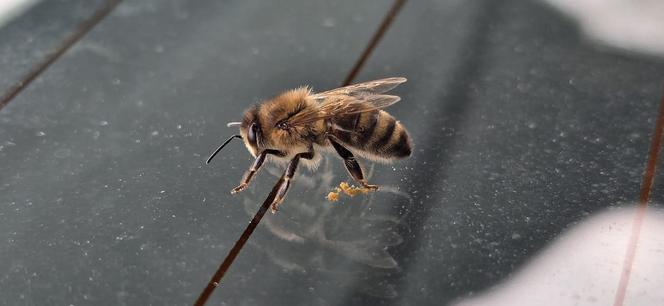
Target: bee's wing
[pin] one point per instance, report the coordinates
(341, 104)
(362, 89)
(353, 99)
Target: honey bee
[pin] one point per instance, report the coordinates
(297, 124)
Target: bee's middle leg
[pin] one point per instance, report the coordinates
(352, 165)
(253, 170)
(284, 181)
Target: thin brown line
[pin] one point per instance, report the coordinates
(646, 189)
(375, 39)
(237, 247)
(80, 31)
(228, 261)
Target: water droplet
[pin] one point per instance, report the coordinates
(62, 153)
(329, 22)
(523, 87)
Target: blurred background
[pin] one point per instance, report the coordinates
(532, 123)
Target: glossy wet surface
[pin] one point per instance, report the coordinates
(530, 143)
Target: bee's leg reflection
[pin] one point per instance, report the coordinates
(284, 181)
(254, 168)
(352, 165)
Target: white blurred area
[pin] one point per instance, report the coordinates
(10, 9)
(633, 25)
(583, 266)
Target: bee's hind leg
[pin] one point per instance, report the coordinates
(352, 165)
(284, 182)
(254, 169)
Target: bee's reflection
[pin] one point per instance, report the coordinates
(349, 239)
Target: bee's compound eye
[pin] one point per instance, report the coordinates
(251, 134)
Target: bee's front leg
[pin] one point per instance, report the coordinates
(284, 182)
(254, 169)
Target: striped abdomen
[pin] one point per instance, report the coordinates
(375, 133)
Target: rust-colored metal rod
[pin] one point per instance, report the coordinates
(375, 39)
(644, 197)
(228, 261)
(80, 31)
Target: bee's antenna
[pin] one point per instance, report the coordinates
(221, 147)
(231, 124)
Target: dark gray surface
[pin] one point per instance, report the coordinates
(534, 131)
(27, 40)
(106, 197)
(520, 129)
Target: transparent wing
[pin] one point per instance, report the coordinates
(362, 89)
(353, 99)
(339, 105)
(344, 105)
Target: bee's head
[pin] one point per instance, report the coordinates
(252, 131)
